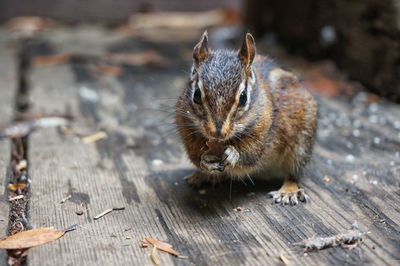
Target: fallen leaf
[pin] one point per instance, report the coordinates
(154, 255)
(30, 238)
(14, 187)
(51, 60)
(162, 246)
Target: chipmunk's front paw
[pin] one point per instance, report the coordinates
(230, 157)
(211, 163)
(289, 194)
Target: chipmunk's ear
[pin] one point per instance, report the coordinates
(201, 50)
(248, 51)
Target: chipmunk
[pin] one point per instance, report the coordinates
(241, 114)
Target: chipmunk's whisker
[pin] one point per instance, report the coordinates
(251, 180)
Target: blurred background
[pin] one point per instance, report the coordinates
(359, 37)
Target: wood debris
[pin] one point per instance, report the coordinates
(349, 239)
(102, 214)
(162, 246)
(30, 238)
(16, 198)
(20, 129)
(284, 260)
(21, 166)
(108, 211)
(95, 137)
(72, 228)
(65, 199)
(144, 244)
(327, 179)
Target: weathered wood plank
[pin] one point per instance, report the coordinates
(141, 166)
(8, 86)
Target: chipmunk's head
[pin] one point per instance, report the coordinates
(222, 89)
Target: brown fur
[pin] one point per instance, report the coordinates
(272, 135)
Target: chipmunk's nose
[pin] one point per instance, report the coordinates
(219, 133)
(218, 126)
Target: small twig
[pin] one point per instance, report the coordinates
(65, 199)
(28, 225)
(95, 137)
(108, 211)
(71, 228)
(102, 214)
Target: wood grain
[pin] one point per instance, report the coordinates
(141, 165)
(8, 86)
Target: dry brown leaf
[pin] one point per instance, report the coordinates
(154, 256)
(162, 246)
(31, 238)
(51, 60)
(14, 187)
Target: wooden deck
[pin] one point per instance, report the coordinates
(354, 175)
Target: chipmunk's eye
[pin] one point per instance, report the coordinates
(197, 96)
(243, 98)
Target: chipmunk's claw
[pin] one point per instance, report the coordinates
(212, 167)
(211, 163)
(289, 197)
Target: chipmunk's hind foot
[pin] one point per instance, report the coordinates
(289, 194)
